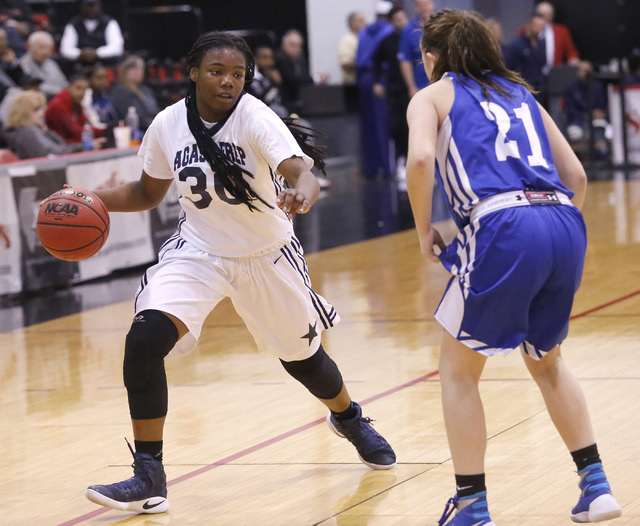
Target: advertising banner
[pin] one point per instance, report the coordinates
(10, 255)
(632, 120)
(39, 268)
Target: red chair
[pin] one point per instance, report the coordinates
(7, 156)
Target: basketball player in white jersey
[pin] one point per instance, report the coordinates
(514, 188)
(242, 176)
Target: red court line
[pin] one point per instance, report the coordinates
(257, 447)
(309, 425)
(604, 305)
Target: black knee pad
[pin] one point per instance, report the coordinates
(318, 373)
(151, 337)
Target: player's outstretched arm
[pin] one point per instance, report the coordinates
(304, 189)
(143, 194)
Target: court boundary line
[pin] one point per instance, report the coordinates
(257, 447)
(314, 423)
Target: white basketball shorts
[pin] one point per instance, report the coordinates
(272, 293)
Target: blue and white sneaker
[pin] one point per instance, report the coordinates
(372, 448)
(145, 492)
(473, 513)
(596, 501)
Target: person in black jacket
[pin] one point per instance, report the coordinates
(293, 66)
(92, 36)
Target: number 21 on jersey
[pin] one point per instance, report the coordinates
(509, 148)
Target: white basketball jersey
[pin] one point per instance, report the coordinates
(255, 138)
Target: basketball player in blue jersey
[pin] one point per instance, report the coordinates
(514, 188)
(243, 175)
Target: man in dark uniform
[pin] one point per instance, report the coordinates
(390, 85)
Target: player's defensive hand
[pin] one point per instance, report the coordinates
(292, 202)
(429, 242)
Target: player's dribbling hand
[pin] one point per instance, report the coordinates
(291, 202)
(64, 186)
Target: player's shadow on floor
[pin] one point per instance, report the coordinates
(370, 492)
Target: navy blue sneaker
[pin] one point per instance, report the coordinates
(472, 511)
(596, 501)
(145, 492)
(372, 448)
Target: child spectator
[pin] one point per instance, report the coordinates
(64, 113)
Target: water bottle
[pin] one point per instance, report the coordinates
(132, 120)
(87, 137)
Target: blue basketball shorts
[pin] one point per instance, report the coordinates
(515, 273)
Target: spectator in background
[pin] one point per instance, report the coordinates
(586, 111)
(409, 53)
(347, 49)
(65, 114)
(6, 83)
(27, 133)
(38, 63)
(267, 80)
(495, 28)
(559, 46)
(9, 62)
(389, 84)
(16, 18)
(526, 55)
(27, 83)
(18, 14)
(292, 65)
(131, 91)
(373, 111)
(97, 101)
(92, 36)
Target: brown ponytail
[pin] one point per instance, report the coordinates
(464, 44)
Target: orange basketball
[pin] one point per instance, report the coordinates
(73, 224)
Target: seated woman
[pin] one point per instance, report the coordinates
(131, 91)
(26, 132)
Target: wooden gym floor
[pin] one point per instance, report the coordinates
(245, 444)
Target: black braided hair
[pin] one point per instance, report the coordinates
(306, 137)
(226, 171)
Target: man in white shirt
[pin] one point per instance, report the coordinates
(92, 36)
(348, 46)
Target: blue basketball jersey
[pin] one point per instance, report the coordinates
(491, 146)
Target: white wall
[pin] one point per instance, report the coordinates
(326, 23)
